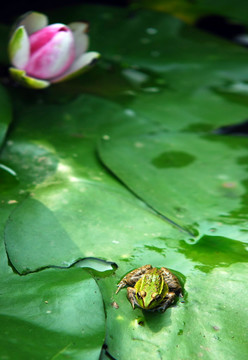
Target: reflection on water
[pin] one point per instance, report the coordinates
(215, 251)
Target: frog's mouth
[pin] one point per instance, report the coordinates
(150, 304)
(147, 301)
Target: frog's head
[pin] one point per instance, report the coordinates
(151, 290)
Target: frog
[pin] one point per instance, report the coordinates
(151, 288)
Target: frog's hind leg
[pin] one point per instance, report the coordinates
(172, 281)
(131, 278)
(131, 296)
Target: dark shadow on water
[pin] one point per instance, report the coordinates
(240, 129)
(156, 320)
(221, 26)
(172, 159)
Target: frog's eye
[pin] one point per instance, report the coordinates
(141, 294)
(154, 295)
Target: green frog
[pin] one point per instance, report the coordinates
(151, 288)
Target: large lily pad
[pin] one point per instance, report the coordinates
(76, 208)
(51, 314)
(197, 182)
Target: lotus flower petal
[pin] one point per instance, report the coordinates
(33, 21)
(79, 66)
(43, 36)
(81, 39)
(19, 48)
(20, 77)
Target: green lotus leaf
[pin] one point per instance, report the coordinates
(54, 313)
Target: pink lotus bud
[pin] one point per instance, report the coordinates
(42, 54)
(51, 52)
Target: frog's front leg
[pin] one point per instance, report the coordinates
(170, 298)
(132, 277)
(131, 296)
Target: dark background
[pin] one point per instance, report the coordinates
(212, 23)
(13, 9)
